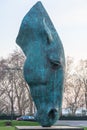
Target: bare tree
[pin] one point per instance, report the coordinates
(73, 95)
(13, 85)
(82, 73)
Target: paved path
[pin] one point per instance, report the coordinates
(72, 123)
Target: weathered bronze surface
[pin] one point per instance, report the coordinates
(44, 65)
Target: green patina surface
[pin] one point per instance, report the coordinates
(44, 65)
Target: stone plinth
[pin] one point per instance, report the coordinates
(47, 128)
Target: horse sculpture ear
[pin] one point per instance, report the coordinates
(48, 32)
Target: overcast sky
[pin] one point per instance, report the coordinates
(69, 18)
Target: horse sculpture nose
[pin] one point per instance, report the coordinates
(52, 113)
(50, 116)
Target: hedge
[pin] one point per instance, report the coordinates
(73, 118)
(69, 117)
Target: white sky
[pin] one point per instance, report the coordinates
(69, 18)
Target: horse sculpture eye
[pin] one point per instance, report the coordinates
(55, 64)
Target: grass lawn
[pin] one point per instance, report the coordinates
(24, 123)
(16, 123)
(7, 128)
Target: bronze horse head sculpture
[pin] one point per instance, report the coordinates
(44, 65)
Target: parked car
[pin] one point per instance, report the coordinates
(26, 118)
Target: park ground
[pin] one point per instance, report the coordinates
(4, 126)
(77, 123)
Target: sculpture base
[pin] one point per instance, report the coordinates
(47, 128)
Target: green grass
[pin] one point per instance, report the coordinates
(24, 123)
(7, 128)
(19, 123)
(16, 123)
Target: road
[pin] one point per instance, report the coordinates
(71, 123)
